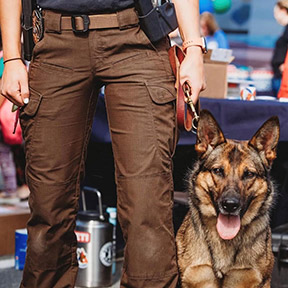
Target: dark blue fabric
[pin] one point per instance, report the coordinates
(238, 119)
(276, 84)
(100, 130)
(86, 6)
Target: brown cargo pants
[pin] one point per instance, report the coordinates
(66, 73)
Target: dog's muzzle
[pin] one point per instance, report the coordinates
(230, 205)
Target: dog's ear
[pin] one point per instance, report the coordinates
(209, 133)
(266, 139)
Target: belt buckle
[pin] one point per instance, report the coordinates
(86, 22)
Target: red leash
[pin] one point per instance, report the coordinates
(187, 116)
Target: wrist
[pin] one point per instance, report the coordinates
(193, 50)
(11, 53)
(196, 42)
(12, 59)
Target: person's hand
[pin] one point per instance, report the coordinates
(281, 68)
(15, 83)
(192, 71)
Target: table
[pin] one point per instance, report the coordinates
(237, 118)
(240, 119)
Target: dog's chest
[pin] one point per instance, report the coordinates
(223, 256)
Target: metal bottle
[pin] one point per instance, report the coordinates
(94, 250)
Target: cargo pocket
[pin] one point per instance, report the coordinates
(163, 108)
(28, 121)
(34, 102)
(162, 92)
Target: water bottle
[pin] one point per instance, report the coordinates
(95, 245)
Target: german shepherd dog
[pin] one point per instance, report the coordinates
(225, 239)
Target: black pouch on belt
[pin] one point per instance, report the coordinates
(27, 28)
(156, 21)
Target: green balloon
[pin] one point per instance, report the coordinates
(221, 6)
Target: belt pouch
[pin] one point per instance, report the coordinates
(27, 7)
(157, 22)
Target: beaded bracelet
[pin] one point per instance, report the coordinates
(12, 59)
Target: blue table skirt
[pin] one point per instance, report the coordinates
(238, 119)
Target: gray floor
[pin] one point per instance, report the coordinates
(11, 278)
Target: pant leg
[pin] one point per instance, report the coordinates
(56, 125)
(140, 101)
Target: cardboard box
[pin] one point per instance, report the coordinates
(215, 65)
(11, 220)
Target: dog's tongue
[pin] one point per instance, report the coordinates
(228, 226)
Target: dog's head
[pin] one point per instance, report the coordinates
(231, 180)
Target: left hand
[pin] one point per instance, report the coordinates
(192, 71)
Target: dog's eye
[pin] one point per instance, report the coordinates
(248, 174)
(218, 171)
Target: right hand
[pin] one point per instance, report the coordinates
(15, 82)
(192, 71)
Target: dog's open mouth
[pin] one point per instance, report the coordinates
(228, 226)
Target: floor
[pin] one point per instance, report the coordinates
(11, 278)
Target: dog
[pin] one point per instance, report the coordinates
(225, 238)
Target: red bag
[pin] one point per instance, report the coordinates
(283, 92)
(7, 121)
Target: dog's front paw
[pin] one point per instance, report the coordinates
(201, 276)
(243, 278)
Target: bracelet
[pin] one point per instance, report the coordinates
(187, 45)
(200, 42)
(12, 59)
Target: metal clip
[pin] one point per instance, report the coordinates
(188, 100)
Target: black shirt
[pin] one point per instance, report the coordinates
(85, 6)
(280, 53)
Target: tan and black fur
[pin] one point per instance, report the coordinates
(233, 174)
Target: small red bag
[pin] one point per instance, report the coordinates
(7, 121)
(283, 92)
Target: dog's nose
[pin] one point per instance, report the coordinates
(230, 205)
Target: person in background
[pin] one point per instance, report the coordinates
(12, 160)
(209, 28)
(280, 50)
(58, 102)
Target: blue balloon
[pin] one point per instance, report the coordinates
(206, 5)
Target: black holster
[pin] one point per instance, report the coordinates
(157, 22)
(27, 27)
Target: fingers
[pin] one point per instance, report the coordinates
(192, 72)
(25, 92)
(15, 83)
(195, 78)
(13, 96)
(196, 87)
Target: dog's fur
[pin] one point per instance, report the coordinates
(230, 180)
